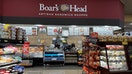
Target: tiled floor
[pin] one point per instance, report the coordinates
(54, 70)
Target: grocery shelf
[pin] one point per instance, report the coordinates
(4, 43)
(10, 63)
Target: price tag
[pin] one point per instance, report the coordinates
(124, 43)
(5, 40)
(54, 59)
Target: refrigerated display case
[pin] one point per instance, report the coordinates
(34, 57)
(54, 57)
(116, 58)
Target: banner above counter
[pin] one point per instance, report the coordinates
(63, 8)
(86, 9)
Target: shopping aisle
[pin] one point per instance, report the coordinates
(54, 70)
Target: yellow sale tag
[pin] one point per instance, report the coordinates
(124, 43)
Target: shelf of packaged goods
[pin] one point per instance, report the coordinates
(10, 63)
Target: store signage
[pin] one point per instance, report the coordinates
(88, 10)
(62, 10)
(63, 7)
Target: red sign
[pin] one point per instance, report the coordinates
(25, 49)
(64, 8)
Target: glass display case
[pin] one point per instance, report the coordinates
(116, 58)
